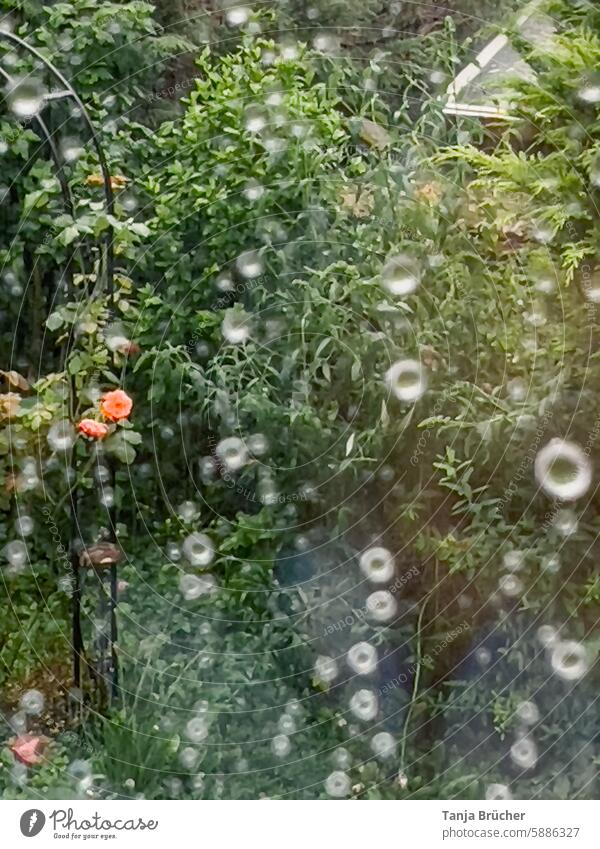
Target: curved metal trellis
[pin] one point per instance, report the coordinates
(106, 670)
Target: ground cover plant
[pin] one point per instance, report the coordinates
(335, 417)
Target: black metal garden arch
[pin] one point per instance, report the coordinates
(105, 672)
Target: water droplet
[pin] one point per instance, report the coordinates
(188, 511)
(253, 190)
(32, 702)
(590, 90)
(364, 705)
(24, 526)
(208, 468)
(483, 656)
(188, 757)
(25, 97)
(237, 16)
(341, 758)
(383, 745)
(61, 436)
(288, 51)
(326, 669)
(569, 660)
(528, 713)
(510, 585)
(232, 453)
(547, 635)
(16, 553)
(338, 784)
(563, 470)
(173, 552)
(196, 729)
(407, 380)
(495, 792)
(236, 326)
(108, 497)
(377, 564)
(514, 560)
(280, 745)
(524, 753)
(257, 444)
(287, 724)
(80, 770)
(199, 549)
(250, 264)
(255, 119)
(195, 586)
(362, 658)
(551, 564)
(326, 43)
(595, 171)
(401, 275)
(71, 150)
(565, 522)
(381, 606)
(517, 389)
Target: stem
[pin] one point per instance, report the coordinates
(415, 690)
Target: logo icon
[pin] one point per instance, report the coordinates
(32, 822)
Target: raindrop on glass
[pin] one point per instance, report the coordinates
(338, 785)
(199, 549)
(362, 658)
(253, 190)
(524, 753)
(407, 380)
(377, 564)
(188, 511)
(32, 702)
(364, 705)
(562, 470)
(24, 526)
(565, 522)
(528, 713)
(498, 792)
(569, 660)
(401, 275)
(383, 745)
(326, 669)
(196, 729)
(61, 436)
(280, 745)
(236, 326)
(25, 97)
(250, 264)
(16, 553)
(381, 606)
(232, 453)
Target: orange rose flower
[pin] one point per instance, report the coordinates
(92, 428)
(116, 405)
(29, 749)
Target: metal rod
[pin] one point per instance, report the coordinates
(69, 91)
(108, 191)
